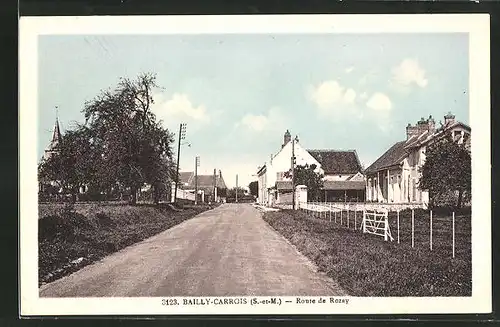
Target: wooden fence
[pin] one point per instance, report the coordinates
(376, 219)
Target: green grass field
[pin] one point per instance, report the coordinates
(88, 232)
(366, 265)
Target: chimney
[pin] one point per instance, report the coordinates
(431, 124)
(286, 138)
(422, 126)
(411, 131)
(220, 174)
(449, 119)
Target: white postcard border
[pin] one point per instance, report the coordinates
(476, 25)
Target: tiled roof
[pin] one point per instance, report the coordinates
(396, 154)
(391, 157)
(185, 177)
(284, 185)
(204, 181)
(343, 185)
(426, 137)
(337, 162)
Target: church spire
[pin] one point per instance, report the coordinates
(56, 135)
(55, 143)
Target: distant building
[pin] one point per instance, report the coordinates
(52, 149)
(393, 178)
(54, 146)
(343, 178)
(211, 188)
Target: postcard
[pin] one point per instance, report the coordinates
(255, 164)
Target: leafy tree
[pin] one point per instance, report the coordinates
(446, 172)
(254, 188)
(72, 167)
(134, 148)
(231, 193)
(306, 175)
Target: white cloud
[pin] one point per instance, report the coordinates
(255, 122)
(379, 102)
(328, 94)
(363, 95)
(179, 106)
(349, 96)
(273, 120)
(349, 69)
(408, 72)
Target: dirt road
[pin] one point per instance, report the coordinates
(228, 251)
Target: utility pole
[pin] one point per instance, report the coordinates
(196, 164)
(215, 185)
(293, 172)
(182, 136)
(236, 188)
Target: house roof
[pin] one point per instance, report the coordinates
(185, 177)
(343, 185)
(284, 185)
(337, 161)
(426, 137)
(204, 181)
(396, 154)
(391, 157)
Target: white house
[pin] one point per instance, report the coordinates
(342, 172)
(394, 176)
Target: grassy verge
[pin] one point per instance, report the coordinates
(70, 238)
(366, 265)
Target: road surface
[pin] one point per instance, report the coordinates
(227, 251)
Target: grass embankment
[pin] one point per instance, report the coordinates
(70, 238)
(366, 265)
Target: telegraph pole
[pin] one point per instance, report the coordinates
(196, 164)
(293, 172)
(215, 185)
(182, 136)
(236, 188)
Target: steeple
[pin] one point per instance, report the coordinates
(55, 143)
(56, 135)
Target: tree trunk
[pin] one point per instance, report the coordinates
(133, 196)
(459, 202)
(156, 196)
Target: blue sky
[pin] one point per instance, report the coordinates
(239, 93)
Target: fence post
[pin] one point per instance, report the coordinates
(364, 221)
(412, 228)
(453, 222)
(431, 230)
(386, 224)
(347, 217)
(355, 211)
(398, 226)
(335, 216)
(330, 211)
(340, 216)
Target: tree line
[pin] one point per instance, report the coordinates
(120, 147)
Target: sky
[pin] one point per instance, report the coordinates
(238, 94)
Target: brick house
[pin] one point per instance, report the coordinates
(394, 176)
